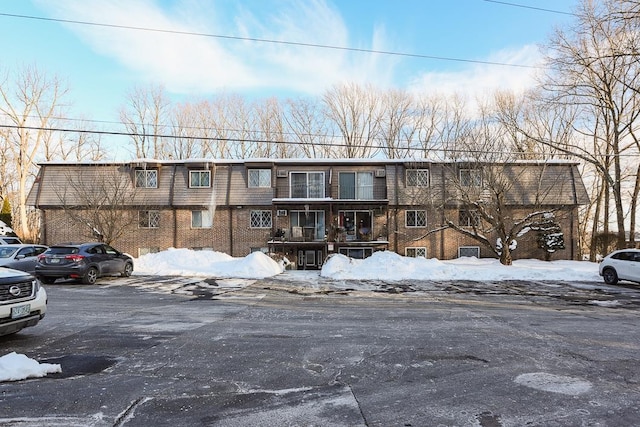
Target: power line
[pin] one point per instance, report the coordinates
(436, 148)
(530, 7)
(260, 40)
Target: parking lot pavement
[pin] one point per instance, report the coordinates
(296, 351)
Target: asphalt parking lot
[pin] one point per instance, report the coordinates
(166, 351)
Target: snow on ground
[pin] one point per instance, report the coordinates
(384, 265)
(14, 367)
(187, 262)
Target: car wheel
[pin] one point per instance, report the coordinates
(128, 269)
(47, 280)
(90, 276)
(610, 276)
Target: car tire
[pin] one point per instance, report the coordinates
(90, 276)
(128, 269)
(610, 276)
(47, 280)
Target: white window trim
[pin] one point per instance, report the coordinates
(324, 187)
(199, 171)
(259, 171)
(148, 223)
(417, 171)
(209, 224)
(472, 183)
(251, 213)
(415, 248)
(146, 178)
(406, 222)
(469, 247)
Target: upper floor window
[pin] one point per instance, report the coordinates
(417, 177)
(147, 178)
(200, 179)
(306, 185)
(260, 219)
(259, 178)
(356, 185)
(471, 177)
(148, 219)
(416, 218)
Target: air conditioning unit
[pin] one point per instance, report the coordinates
(282, 173)
(282, 212)
(381, 173)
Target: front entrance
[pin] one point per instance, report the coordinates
(309, 259)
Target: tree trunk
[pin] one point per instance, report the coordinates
(505, 256)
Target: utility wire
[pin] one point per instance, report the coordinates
(260, 40)
(436, 148)
(506, 3)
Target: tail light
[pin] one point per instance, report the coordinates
(41, 258)
(75, 257)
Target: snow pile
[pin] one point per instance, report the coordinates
(15, 367)
(389, 266)
(187, 262)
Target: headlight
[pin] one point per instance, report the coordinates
(36, 286)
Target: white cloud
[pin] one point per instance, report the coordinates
(186, 64)
(478, 80)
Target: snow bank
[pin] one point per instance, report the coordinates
(386, 265)
(187, 262)
(15, 367)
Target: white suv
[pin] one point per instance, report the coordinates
(23, 302)
(623, 264)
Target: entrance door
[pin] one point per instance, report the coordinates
(309, 259)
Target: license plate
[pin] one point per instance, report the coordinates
(20, 311)
(54, 261)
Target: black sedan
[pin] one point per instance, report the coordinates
(86, 261)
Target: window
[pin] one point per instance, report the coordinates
(469, 251)
(468, 218)
(148, 219)
(147, 178)
(200, 179)
(417, 177)
(356, 185)
(260, 219)
(356, 253)
(471, 177)
(416, 218)
(145, 251)
(259, 178)
(416, 252)
(306, 185)
(311, 224)
(201, 219)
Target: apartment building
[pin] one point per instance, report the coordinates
(304, 209)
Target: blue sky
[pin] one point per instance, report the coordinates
(100, 65)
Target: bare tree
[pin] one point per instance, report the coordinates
(355, 112)
(588, 70)
(399, 124)
(30, 105)
(488, 184)
(145, 117)
(308, 128)
(102, 207)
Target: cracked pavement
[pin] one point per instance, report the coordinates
(286, 352)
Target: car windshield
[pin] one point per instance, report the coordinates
(62, 250)
(7, 252)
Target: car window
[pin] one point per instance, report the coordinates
(6, 252)
(10, 241)
(623, 256)
(62, 250)
(39, 249)
(27, 252)
(108, 249)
